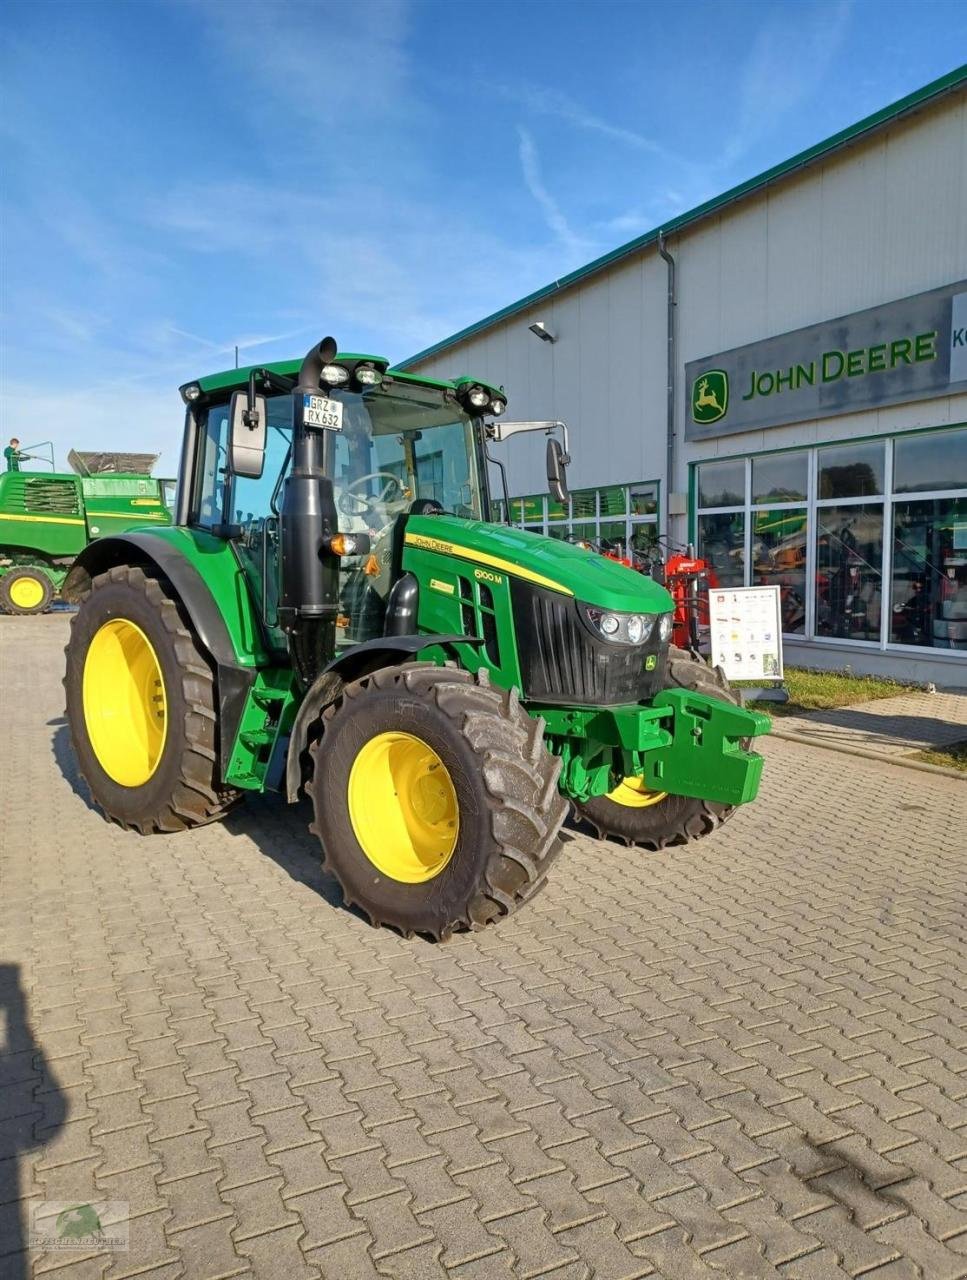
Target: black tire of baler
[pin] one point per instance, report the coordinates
(185, 790)
(495, 754)
(675, 820)
(25, 571)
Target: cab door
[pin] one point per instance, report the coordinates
(245, 510)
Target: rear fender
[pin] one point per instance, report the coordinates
(205, 576)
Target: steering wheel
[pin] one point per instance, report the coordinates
(364, 502)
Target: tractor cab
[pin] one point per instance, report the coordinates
(388, 446)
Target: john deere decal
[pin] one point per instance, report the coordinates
(710, 396)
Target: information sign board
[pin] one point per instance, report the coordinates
(746, 632)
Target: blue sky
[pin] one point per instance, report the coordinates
(184, 175)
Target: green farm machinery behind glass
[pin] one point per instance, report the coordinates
(47, 518)
(334, 615)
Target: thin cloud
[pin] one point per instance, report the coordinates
(771, 83)
(553, 216)
(551, 102)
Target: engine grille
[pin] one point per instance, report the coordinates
(561, 662)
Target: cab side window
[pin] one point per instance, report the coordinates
(211, 470)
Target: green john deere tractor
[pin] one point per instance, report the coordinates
(333, 614)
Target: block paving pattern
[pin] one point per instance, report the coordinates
(747, 1059)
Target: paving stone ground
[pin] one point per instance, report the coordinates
(748, 1059)
(894, 727)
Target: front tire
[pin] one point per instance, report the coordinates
(141, 707)
(656, 820)
(25, 591)
(435, 800)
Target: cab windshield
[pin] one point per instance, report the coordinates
(399, 445)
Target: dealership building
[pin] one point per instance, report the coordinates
(780, 377)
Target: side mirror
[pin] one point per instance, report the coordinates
(247, 436)
(556, 469)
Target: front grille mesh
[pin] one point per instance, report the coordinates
(562, 663)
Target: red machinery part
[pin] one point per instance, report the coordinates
(688, 579)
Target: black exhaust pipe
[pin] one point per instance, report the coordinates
(309, 592)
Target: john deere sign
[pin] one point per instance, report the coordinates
(909, 350)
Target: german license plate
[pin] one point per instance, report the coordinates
(320, 411)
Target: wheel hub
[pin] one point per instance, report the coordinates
(403, 807)
(125, 708)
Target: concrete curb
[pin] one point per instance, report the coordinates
(867, 754)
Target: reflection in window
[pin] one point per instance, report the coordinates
(779, 560)
(935, 461)
(644, 500)
(849, 563)
(613, 500)
(721, 541)
(780, 477)
(851, 471)
(721, 484)
(584, 504)
(929, 601)
(644, 538)
(612, 536)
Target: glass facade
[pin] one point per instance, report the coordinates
(614, 516)
(867, 540)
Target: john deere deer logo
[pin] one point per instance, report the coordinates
(710, 396)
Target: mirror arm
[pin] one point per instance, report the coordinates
(503, 479)
(270, 381)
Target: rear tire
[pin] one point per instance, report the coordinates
(497, 777)
(26, 591)
(167, 700)
(672, 820)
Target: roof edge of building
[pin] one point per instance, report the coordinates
(912, 102)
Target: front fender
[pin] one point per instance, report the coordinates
(358, 661)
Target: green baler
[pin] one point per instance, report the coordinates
(47, 519)
(334, 615)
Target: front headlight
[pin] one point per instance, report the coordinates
(666, 624)
(619, 628)
(478, 397)
(335, 374)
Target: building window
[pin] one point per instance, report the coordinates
(614, 517)
(851, 470)
(721, 484)
(779, 559)
(931, 463)
(721, 541)
(780, 477)
(929, 605)
(849, 571)
(867, 540)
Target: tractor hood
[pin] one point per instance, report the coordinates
(546, 562)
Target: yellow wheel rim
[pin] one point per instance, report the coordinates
(125, 709)
(403, 807)
(633, 793)
(27, 593)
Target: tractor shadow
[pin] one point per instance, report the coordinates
(63, 754)
(32, 1112)
(281, 833)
